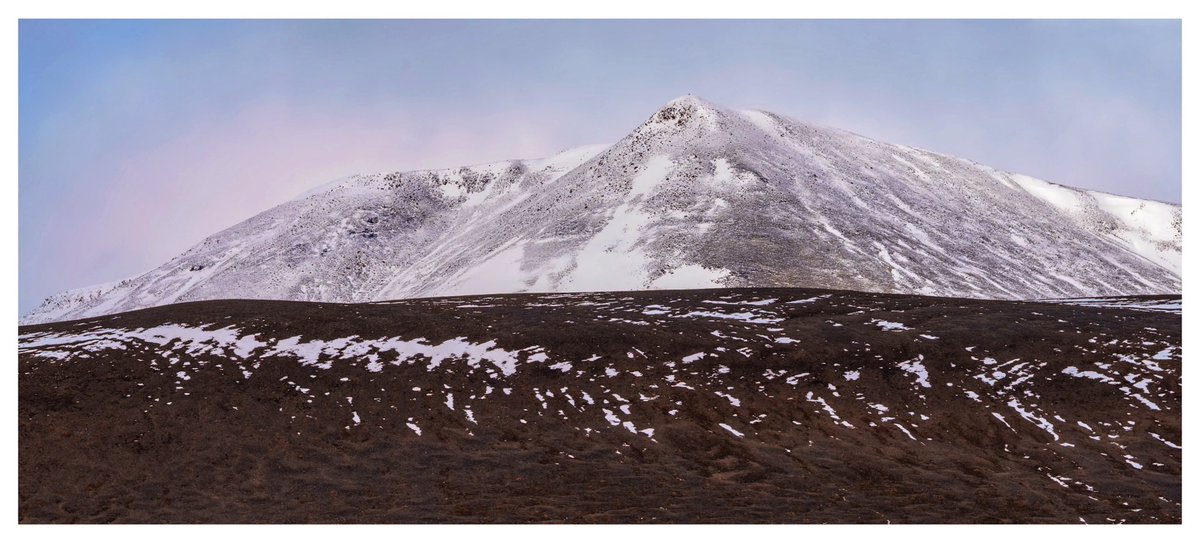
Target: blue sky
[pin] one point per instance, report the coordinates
(139, 138)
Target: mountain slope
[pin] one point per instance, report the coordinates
(697, 196)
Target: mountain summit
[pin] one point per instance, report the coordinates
(697, 196)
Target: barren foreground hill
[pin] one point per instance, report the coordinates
(727, 405)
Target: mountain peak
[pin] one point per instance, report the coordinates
(684, 110)
(691, 100)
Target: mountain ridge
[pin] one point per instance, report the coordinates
(696, 196)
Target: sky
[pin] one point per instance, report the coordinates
(138, 139)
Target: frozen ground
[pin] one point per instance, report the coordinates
(754, 405)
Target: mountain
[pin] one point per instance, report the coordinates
(697, 196)
(703, 406)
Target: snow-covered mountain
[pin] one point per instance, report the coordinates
(697, 196)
